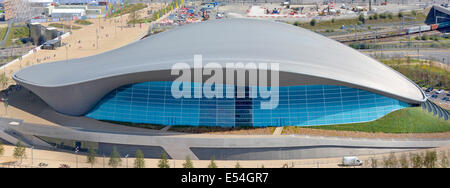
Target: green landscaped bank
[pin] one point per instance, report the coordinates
(407, 120)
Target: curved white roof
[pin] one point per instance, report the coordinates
(231, 40)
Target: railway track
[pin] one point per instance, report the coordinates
(381, 36)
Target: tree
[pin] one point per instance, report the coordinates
(139, 162)
(444, 160)
(362, 19)
(19, 151)
(2, 150)
(212, 164)
(430, 159)
(4, 80)
(313, 22)
(188, 163)
(115, 160)
(92, 156)
(416, 160)
(375, 16)
(164, 162)
(404, 163)
(237, 165)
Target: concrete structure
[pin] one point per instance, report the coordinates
(331, 82)
(40, 34)
(73, 10)
(67, 13)
(19, 10)
(223, 147)
(438, 14)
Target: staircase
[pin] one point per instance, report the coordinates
(435, 109)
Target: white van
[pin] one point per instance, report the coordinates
(351, 161)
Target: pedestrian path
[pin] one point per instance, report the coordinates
(165, 128)
(278, 131)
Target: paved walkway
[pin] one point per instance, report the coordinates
(278, 131)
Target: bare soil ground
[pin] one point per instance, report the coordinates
(225, 131)
(54, 159)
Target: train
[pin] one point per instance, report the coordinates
(423, 28)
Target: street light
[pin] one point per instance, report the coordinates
(76, 155)
(32, 147)
(126, 158)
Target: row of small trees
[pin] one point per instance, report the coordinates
(116, 161)
(19, 151)
(427, 159)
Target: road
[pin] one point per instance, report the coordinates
(234, 147)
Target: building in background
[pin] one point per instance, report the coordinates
(17, 10)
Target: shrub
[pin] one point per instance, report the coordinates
(139, 162)
(400, 14)
(424, 37)
(404, 163)
(238, 165)
(361, 18)
(83, 22)
(444, 163)
(430, 159)
(164, 162)
(390, 162)
(373, 163)
(416, 160)
(188, 163)
(2, 150)
(333, 20)
(383, 15)
(115, 160)
(313, 22)
(297, 23)
(375, 16)
(212, 164)
(390, 16)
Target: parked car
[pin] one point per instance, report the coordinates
(429, 89)
(220, 15)
(439, 91)
(434, 96)
(445, 99)
(351, 161)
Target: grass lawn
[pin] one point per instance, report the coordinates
(3, 32)
(407, 120)
(128, 9)
(421, 72)
(17, 33)
(83, 22)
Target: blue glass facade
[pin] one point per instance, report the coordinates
(153, 103)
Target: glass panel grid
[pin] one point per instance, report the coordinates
(153, 103)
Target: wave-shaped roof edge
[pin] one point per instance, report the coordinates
(296, 49)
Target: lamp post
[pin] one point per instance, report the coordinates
(126, 158)
(76, 156)
(32, 147)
